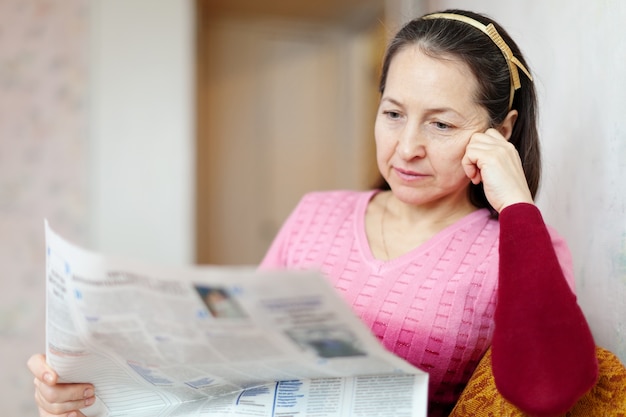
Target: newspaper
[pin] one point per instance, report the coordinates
(215, 341)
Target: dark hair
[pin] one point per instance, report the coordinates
(446, 37)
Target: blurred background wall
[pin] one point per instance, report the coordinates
(96, 135)
(43, 168)
(135, 130)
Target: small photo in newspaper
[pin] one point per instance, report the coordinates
(327, 342)
(220, 302)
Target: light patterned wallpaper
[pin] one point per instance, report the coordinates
(43, 167)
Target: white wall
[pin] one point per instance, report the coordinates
(141, 128)
(576, 50)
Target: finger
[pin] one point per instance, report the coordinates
(488, 139)
(62, 398)
(470, 159)
(68, 409)
(40, 369)
(73, 413)
(76, 413)
(471, 169)
(494, 133)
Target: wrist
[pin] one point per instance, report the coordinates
(513, 202)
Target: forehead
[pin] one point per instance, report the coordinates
(412, 71)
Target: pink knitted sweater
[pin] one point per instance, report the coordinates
(433, 306)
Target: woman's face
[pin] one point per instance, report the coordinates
(425, 119)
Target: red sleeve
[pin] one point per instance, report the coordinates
(543, 353)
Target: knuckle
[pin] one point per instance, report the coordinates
(57, 408)
(47, 409)
(51, 395)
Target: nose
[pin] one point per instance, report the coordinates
(411, 143)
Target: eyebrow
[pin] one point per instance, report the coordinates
(393, 101)
(430, 111)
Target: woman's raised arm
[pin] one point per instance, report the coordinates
(543, 353)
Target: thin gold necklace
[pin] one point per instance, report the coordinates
(382, 226)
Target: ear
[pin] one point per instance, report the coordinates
(506, 127)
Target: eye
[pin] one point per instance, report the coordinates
(392, 114)
(442, 126)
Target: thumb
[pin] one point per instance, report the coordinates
(40, 369)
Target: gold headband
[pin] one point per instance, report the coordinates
(491, 31)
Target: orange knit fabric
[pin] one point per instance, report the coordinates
(607, 398)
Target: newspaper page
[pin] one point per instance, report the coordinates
(215, 341)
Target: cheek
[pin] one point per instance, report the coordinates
(448, 159)
(384, 144)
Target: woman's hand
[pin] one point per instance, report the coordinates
(58, 399)
(489, 158)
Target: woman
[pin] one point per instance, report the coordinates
(451, 256)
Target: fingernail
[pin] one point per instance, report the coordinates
(48, 378)
(88, 393)
(90, 401)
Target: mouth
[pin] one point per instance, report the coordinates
(408, 175)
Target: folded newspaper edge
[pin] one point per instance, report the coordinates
(215, 341)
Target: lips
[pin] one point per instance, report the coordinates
(408, 175)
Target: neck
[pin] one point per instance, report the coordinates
(404, 227)
(435, 215)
